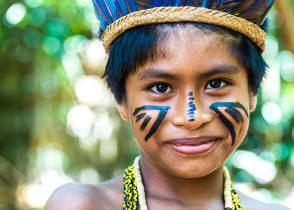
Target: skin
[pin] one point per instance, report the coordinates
(160, 117)
(232, 110)
(174, 180)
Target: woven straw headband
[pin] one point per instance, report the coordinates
(183, 14)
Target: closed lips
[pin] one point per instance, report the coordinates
(193, 146)
(192, 141)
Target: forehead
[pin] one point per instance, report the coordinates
(189, 48)
(172, 36)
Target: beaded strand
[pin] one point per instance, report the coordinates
(141, 190)
(130, 190)
(134, 192)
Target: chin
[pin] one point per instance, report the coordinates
(189, 166)
(192, 169)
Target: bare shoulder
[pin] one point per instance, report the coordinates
(76, 196)
(253, 204)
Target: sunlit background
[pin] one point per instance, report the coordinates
(58, 123)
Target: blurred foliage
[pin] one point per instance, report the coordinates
(51, 133)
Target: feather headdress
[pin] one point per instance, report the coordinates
(117, 16)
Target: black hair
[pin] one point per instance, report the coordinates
(134, 47)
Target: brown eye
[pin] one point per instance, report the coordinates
(161, 88)
(215, 84)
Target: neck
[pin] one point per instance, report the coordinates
(161, 184)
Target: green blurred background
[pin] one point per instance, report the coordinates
(58, 123)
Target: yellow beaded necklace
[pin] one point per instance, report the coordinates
(134, 192)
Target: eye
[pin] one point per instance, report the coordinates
(161, 88)
(216, 84)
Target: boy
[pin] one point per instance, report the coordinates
(186, 75)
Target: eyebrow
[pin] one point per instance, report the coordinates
(152, 73)
(221, 69)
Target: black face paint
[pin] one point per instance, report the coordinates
(140, 116)
(161, 115)
(191, 107)
(145, 122)
(231, 109)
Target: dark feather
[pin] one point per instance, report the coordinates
(253, 10)
(145, 4)
(258, 10)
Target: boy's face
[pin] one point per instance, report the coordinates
(189, 107)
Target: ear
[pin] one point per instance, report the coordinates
(123, 110)
(253, 102)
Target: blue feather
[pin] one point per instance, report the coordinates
(228, 10)
(104, 11)
(112, 10)
(157, 3)
(101, 16)
(177, 3)
(174, 3)
(204, 3)
(122, 7)
(190, 3)
(269, 3)
(165, 3)
(132, 5)
(253, 10)
(151, 3)
(102, 22)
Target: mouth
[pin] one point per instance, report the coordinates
(192, 146)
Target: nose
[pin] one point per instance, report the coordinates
(190, 113)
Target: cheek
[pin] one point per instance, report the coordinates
(138, 124)
(141, 129)
(242, 129)
(147, 119)
(235, 118)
